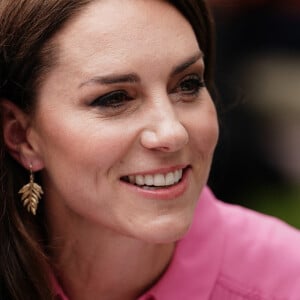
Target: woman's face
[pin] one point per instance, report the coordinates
(124, 125)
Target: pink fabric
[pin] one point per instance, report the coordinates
(59, 293)
(230, 253)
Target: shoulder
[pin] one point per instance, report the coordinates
(261, 254)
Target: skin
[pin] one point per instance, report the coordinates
(96, 221)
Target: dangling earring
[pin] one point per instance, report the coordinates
(31, 194)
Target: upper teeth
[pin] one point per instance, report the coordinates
(156, 179)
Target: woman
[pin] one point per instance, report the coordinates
(104, 106)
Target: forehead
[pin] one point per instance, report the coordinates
(118, 31)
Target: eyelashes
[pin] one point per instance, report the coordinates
(113, 99)
(190, 85)
(186, 90)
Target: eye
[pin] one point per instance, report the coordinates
(113, 99)
(190, 85)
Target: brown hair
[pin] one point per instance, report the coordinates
(26, 54)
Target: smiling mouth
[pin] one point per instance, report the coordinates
(155, 181)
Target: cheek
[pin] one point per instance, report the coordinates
(210, 134)
(75, 141)
(204, 131)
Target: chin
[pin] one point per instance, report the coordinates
(167, 231)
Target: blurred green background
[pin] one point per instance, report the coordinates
(257, 161)
(281, 201)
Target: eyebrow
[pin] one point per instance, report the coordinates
(133, 77)
(187, 63)
(113, 79)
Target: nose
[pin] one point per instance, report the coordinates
(164, 131)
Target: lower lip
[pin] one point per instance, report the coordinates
(166, 193)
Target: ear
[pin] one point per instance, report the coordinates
(16, 124)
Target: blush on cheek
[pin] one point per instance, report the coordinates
(211, 128)
(207, 137)
(212, 138)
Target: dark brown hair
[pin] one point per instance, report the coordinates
(26, 53)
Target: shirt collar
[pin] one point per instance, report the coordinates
(58, 291)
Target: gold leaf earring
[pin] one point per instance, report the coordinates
(31, 194)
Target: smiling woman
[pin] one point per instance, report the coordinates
(108, 104)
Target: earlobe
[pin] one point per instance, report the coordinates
(15, 124)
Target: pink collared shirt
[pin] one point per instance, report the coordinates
(230, 253)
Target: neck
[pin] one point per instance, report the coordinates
(98, 264)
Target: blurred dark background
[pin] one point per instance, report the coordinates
(257, 161)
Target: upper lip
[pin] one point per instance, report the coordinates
(163, 170)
